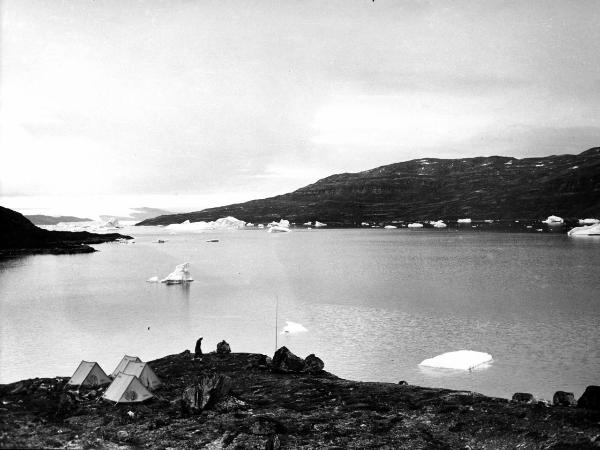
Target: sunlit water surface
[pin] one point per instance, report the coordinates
(375, 303)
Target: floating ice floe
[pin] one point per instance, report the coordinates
(464, 220)
(488, 221)
(307, 224)
(588, 230)
(553, 219)
(319, 224)
(180, 275)
(390, 227)
(224, 223)
(588, 221)
(292, 328)
(260, 225)
(283, 226)
(364, 224)
(439, 224)
(152, 280)
(459, 360)
(249, 224)
(415, 225)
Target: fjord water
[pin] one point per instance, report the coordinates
(375, 303)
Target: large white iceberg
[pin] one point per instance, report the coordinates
(460, 360)
(553, 219)
(390, 227)
(180, 275)
(293, 327)
(283, 226)
(588, 230)
(588, 221)
(415, 225)
(464, 220)
(111, 223)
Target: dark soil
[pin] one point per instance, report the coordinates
(269, 410)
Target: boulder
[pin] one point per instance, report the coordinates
(523, 397)
(590, 398)
(403, 383)
(285, 361)
(209, 390)
(562, 398)
(313, 363)
(223, 348)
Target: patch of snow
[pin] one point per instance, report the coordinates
(539, 165)
(488, 221)
(293, 328)
(575, 167)
(249, 224)
(460, 360)
(508, 163)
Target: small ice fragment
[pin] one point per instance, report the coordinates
(152, 280)
(293, 327)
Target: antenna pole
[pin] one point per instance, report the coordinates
(276, 314)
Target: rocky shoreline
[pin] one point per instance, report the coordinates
(241, 400)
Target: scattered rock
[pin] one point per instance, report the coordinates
(313, 363)
(403, 383)
(523, 397)
(562, 398)
(223, 348)
(590, 398)
(285, 361)
(209, 390)
(122, 435)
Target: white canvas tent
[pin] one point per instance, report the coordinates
(144, 373)
(89, 374)
(126, 389)
(121, 366)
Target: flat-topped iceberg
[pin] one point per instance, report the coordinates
(588, 230)
(293, 327)
(588, 221)
(415, 225)
(180, 275)
(390, 227)
(553, 219)
(459, 360)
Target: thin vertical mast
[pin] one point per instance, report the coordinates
(276, 314)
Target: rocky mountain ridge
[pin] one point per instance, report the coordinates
(494, 187)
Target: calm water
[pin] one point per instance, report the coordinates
(375, 302)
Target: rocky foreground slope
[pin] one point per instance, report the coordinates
(257, 406)
(493, 187)
(18, 236)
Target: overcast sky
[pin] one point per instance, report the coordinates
(222, 101)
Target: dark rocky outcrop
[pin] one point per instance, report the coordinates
(590, 398)
(313, 363)
(18, 236)
(492, 187)
(266, 409)
(223, 348)
(285, 361)
(523, 397)
(207, 392)
(562, 398)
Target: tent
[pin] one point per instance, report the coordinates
(89, 374)
(126, 389)
(144, 373)
(126, 359)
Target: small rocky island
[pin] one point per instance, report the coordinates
(18, 236)
(241, 400)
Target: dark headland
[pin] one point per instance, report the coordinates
(493, 187)
(240, 400)
(18, 236)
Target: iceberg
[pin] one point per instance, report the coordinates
(439, 224)
(415, 225)
(364, 224)
(180, 275)
(587, 230)
(464, 221)
(111, 223)
(249, 224)
(390, 227)
(260, 225)
(553, 219)
(488, 221)
(307, 224)
(152, 280)
(283, 226)
(224, 223)
(319, 224)
(460, 360)
(588, 221)
(292, 328)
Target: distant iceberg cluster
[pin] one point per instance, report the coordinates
(224, 223)
(587, 230)
(459, 360)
